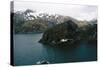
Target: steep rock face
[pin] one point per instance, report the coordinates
(61, 33)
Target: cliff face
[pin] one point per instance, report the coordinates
(64, 32)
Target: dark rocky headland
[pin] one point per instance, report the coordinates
(70, 32)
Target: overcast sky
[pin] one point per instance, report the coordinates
(81, 12)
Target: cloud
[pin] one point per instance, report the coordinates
(81, 12)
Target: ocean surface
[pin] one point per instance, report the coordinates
(28, 51)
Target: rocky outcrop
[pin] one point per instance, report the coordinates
(69, 32)
(62, 33)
